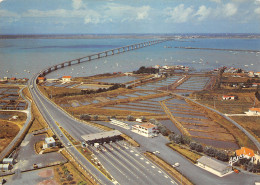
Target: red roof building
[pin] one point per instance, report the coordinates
(246, 152)
(66, 78)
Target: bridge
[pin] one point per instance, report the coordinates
(101, 55)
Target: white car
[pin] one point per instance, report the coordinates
(69, 144)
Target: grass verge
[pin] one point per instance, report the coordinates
(84, 175)
(190, 155)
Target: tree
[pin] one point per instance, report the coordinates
(177, 138)
(143, 118)
(193, 145)
(222, 155)
(162, 130)
(85, 117)
(199, 147)
(186, 140)
(210, 151)
(95, 117)
(152, 121)
(171, 136)
(130, 118)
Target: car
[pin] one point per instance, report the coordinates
(69, 144)
(236, 170)
(61, 135)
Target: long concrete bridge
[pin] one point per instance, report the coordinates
(101, 55)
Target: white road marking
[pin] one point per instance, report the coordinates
(142, 158)
(136, 154)
(166, 176)
(147, 162)
(153, 166)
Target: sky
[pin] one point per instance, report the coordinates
(129, 16)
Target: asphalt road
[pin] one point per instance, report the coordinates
(113, 160)
(52, 114)
(129, 166)
(21, 132)
(194, 173)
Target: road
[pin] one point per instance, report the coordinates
(193, 172)
(21, 132)
(116, 161)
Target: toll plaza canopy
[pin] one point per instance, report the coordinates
(101, 136)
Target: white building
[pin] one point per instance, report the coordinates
(5, 167)
(8, 161)
(50, 142)
(66, 78)
(253, 112)
(146, 129)
(227, 97)
(214, 166)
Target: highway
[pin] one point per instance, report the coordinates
(121, 163)
(126, 164)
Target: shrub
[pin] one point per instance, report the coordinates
(130, 118)
(85, 117)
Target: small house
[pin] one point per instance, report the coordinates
(41, 79)
(253, 112)
(50, 142)
(227, 97)
(5, 167)
(245, 152)
(8, 161)
(214, 166)
(66, 78)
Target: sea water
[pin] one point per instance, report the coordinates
(23, 57)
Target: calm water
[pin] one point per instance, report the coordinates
(23, 57)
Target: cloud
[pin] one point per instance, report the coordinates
(78, 4)
(216, 1)
(179, 14)
(229, 9)
(203, 12)
(6, 13)
(257, 10)
(125, 13)
(143, 13)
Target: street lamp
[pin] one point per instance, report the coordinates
(176, 165)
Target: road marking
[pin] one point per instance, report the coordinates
(131, 151)
(122, 164)
(63, 133)
(166, 176)
(136, 154)
(153, 166)
(160, 171)
(173, 182)
(142, 158)
(147, 162)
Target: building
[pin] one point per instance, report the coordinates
(245, 152)
(66, 78)
(214, 166)
(41, 79)
(227, 97)
(146, 129)
(50, 142)
(5, 167)
(8, 161)
(253, 112)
